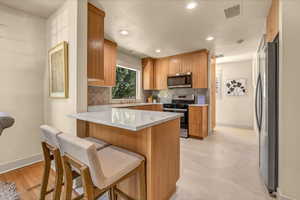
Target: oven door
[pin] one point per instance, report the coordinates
(183, 120)
(180, 81)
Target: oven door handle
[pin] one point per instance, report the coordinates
(175, 109)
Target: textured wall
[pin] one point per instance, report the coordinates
(23, 56)
(63, 25)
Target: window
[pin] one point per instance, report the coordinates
(126, 84)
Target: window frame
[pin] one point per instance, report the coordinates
(138, 84)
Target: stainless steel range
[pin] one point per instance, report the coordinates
(180, 104)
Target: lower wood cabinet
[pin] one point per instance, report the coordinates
(198, 123)
(153, 107)
(157, 107)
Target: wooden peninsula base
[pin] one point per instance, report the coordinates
(160, 146)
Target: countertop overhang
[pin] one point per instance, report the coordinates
(124, 118)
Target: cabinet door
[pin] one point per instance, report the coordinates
(187, 63)
(198, 121)
(174, 65)
(148, 73)
(161, 68)
(144, 107)
(110, 62)
(213, 92)
(95, 62)
(157, 107)
(273, 21)
(200, 68)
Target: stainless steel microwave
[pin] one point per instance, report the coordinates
(180, 81)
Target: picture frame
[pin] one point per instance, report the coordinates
(58, 71)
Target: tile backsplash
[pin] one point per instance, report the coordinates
(99, 95)
(165, 96)
(102, 95)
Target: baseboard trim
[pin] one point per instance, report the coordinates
(282, 196)
(235, 126)
(20, 163)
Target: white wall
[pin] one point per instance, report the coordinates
(22, 56)
(235, 111)
(289, 109)
(68, 24)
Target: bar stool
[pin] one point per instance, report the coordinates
(100, 170)
(51, 152)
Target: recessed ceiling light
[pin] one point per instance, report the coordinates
(210, 38)
(157, 50)
(191, 5)
(124, 32)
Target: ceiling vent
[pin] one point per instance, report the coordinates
(219, 56)
(240, 41)
(232, 11)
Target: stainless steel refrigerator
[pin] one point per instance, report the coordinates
(266, 111)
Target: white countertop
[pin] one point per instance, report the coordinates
(130, 119)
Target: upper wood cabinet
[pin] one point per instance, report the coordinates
(156, 71)
(273, 21)
(186, 63)
(200, 69)
(148, 73)
(195, 62)
(110, 62)
(95, 62)
(161, 70)
(174, 65)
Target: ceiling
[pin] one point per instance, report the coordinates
(42, 8)
(169, 26)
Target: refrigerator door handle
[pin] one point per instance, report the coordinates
(258, 115)
(261, 104)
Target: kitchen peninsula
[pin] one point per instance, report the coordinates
(155, 135)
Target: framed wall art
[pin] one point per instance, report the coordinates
(236, 87)
(58, 71)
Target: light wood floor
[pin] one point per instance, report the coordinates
(27, 180)
(222, 167)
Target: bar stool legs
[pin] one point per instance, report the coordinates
(142, 184)
(50, 154)
(58, 175)
(47, 164)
